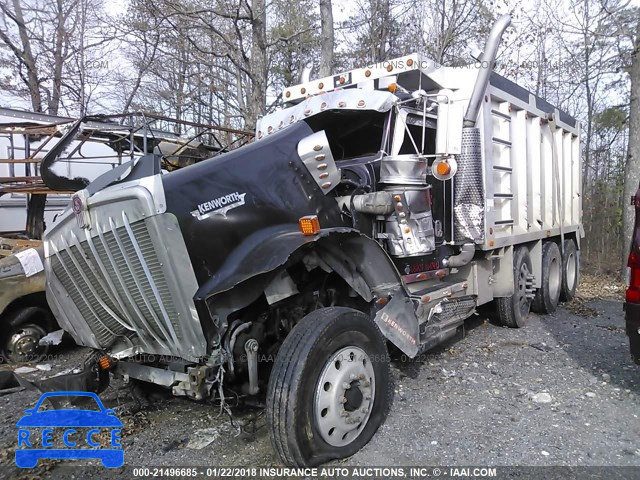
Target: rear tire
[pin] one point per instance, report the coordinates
(513, 311)
(570, 271)
(321, 406)
(548, 295)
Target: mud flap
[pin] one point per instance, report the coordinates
(398, 323)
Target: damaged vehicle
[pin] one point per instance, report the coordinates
(25, 317)
(384, 204)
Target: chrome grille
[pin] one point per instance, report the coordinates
(115, 279)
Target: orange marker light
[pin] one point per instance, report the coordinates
(309, 225)
(392, 88)
(443, 168)
(104, 362)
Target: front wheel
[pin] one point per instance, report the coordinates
(330, 388)
(22, 330)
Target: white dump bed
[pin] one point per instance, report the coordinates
(532, 171)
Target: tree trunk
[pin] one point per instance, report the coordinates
(56, 90)
(28, 59)
(35, 216)
(326, 38)
(632, 169)
(258, 63)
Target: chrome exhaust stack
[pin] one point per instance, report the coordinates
(487, 61)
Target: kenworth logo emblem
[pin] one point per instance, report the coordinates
(219, 206)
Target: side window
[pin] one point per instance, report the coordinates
(409, 129)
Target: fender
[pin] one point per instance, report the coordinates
(369, 271)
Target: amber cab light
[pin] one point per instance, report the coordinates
(309, 225)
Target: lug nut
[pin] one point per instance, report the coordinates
(361, 376)
(343, 400)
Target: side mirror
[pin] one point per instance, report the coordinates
(449, 129)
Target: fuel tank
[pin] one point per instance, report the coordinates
(221, 201)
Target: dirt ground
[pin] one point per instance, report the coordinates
(562, 391)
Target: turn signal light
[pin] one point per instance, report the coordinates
(444, 168)
(309, 225)
(392, 88)
(104, 362)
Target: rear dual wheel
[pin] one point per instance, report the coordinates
(560, 276)
(513, 311)
(548, 295)
(570, 271)
(330, 388)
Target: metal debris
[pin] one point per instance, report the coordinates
(53, 338)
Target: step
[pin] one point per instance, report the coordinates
(501, 141)
(438, 291)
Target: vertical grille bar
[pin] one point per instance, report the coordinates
(138, 284)
(152, 284)
(79, 293)
(95, 294)
(125, 290)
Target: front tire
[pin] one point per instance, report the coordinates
(22, 330)
(330, 388)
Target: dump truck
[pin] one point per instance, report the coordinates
(379, 206)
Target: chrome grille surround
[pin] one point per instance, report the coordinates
(126, 283)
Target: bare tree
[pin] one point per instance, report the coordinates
(327, 40)
(21, 50)
(632, 170)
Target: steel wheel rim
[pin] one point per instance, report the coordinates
(344, 396)
(523, 300)
(570, 274)
(554, 278)
(23, 343)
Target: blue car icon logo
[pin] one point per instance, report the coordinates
(36, 430)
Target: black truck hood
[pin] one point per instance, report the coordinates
(222, 201)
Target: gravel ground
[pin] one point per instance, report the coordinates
(562, 391)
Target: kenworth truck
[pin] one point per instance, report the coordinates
(384, 204)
